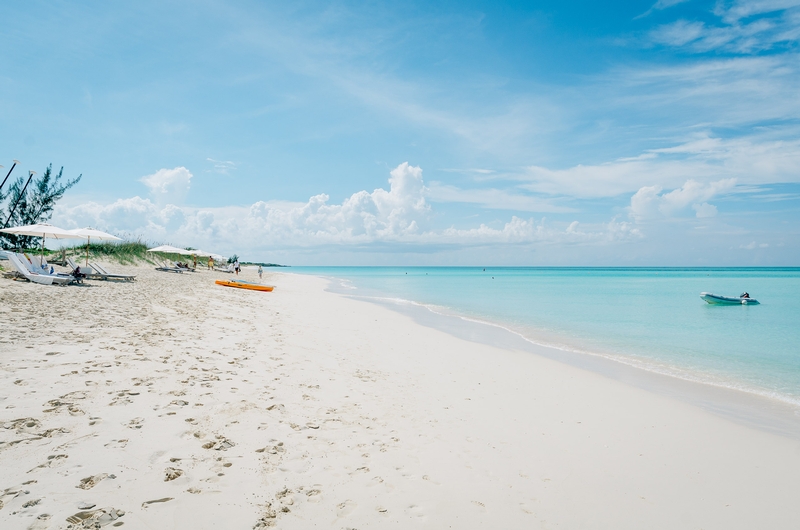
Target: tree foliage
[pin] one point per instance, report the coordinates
(35, 205)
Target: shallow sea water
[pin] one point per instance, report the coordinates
(652, 318)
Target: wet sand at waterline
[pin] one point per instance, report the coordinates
(172, 402)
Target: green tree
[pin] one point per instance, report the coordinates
(36, 205)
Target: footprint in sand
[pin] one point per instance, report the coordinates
(95, 518)
(42, 522)
(32, 502)
(267, 519)
(52, 461)
(222, 444)
(90, 482)
(314, 494)
(343, 509)
(121, 399)
(145, 504)
(135, 423)
(285, 497)
(78, 394)
(23, 425)
(10, 493)
(171, 473)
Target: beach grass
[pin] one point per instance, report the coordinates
(124, 252)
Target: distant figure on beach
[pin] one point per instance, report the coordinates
(260, 272)
(195, 261)
(236, 267)
(745, 295)
(210, 263)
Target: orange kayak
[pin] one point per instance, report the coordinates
(244, 285)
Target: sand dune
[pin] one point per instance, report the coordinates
(175, 403)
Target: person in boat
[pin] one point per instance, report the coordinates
(745, 295)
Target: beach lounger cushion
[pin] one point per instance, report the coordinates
(27, 270)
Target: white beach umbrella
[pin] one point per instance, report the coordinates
(42, 230)
(90, 233)
(204, 254)
(169, 249)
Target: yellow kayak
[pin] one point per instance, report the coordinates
(244, 285)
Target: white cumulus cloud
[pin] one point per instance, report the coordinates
(399, 215)
(705, 210)
(649, 202)
(168, 184)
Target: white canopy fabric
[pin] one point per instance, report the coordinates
(204, 254)
(91, 233)
(169, 249)
(42, 230)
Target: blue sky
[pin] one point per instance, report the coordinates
(521, 133)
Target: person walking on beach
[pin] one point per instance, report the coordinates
(260, 272)
(210, 263)
(236, 267)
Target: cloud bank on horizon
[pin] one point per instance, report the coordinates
(400, 215)
(663, 132)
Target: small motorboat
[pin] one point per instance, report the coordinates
(728, 300)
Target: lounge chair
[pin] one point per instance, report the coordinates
(27, 270)
(105, 275)
(182, 266)
(169, 268)
(89, 272)
(37, 261)
(38, 265)
(228, 269)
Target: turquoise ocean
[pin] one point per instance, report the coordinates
(650, 318)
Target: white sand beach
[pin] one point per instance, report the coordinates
(171, 402)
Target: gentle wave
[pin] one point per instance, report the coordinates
(610, 314)
(647, 365)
